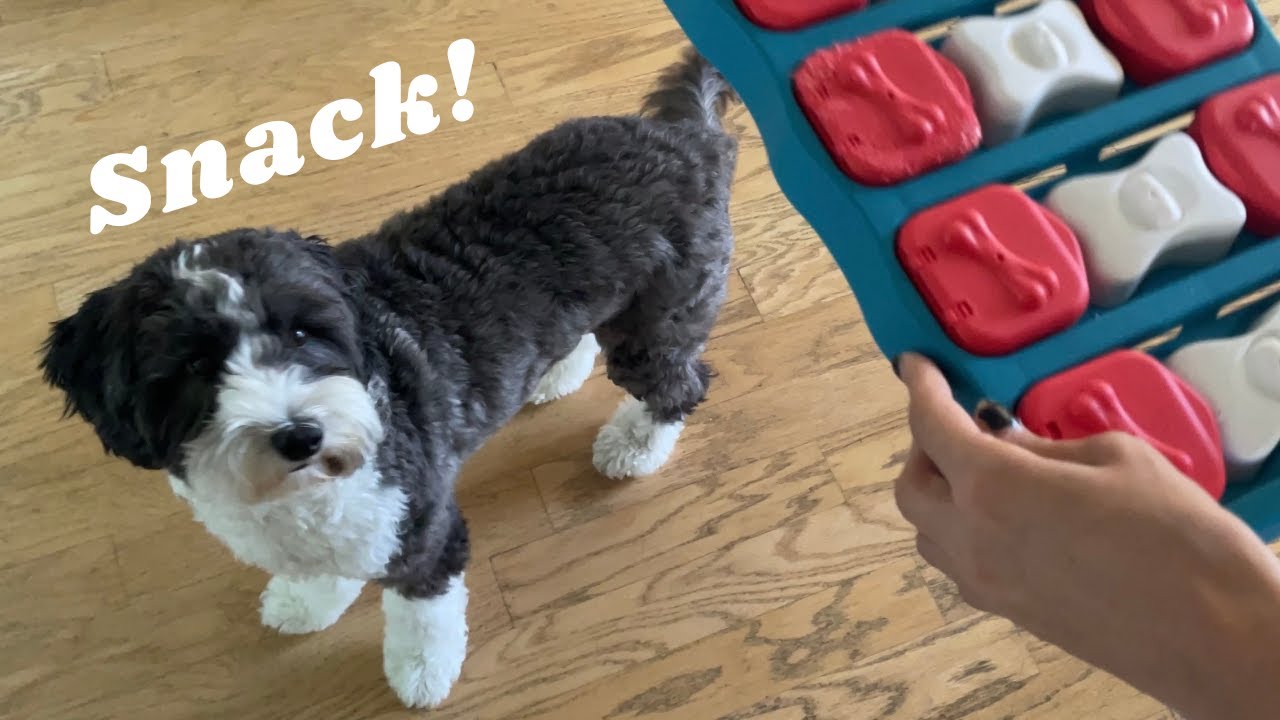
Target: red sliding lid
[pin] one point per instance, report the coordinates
(888, 107)
(1158, 39)
(1239, 133)
(795, 14)
(1130, 391)
(999, 270)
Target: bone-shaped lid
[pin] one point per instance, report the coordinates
(1240, 377)
(1171, 189)
(1130, 219)
(1040, 49)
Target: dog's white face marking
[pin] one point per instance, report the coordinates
(233, 456)
(327, 512)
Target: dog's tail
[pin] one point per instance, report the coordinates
(690, 90)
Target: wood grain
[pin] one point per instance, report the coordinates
(765, 573)
(955, 671)
(807, 639)
(648, 538)
(565, 648)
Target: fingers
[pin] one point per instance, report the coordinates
(999, 422)
(933, 554)
(924, 497)
(944, 431)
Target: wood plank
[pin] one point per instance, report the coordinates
(1065, 686)
(795, 280)
(486, 612)
(670, 530)
(759, 659)
(736, 432)
(55, 508)
(950, 673)
(28, 92)
(503, 511)
(869, 461)
(12, 11)
(562, 650)
(739, 311)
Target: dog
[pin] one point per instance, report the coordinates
(314, 402)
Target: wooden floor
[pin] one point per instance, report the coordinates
(764, 574)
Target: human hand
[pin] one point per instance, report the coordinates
(1100, 546)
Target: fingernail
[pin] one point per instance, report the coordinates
(995, 416)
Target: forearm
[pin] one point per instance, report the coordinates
(1237, 664)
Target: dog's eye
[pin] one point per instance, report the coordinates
(299, 336)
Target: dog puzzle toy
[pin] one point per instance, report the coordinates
(987, 182)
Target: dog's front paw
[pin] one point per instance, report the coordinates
(295, 606)
(566, 376)
(420, 681)
(633, 443)
(425, 644)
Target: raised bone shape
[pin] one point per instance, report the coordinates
(867, 78)
(1204, 17)
(1031, 284)
(1261, 116)
(1030, 65)
(1099, 409)
(1166, 208)
(1240, 378)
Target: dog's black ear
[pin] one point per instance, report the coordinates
(88, 357)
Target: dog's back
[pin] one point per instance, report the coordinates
(613, 225)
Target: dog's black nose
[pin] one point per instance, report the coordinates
(297, 441)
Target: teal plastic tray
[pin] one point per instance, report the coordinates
(859, 223)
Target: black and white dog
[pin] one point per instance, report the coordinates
(313, 403)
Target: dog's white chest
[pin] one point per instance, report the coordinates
(348, 528)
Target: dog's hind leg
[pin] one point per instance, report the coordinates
(654, 350)
(304, 605)
(569, 374)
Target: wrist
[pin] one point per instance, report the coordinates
(1238, 659)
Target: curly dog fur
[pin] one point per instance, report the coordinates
(314, 402)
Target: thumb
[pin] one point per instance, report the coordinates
(998, 421)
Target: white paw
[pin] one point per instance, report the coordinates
(296, 606)
(632, 443)
(566, 376)
(425, 644)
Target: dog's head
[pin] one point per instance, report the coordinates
(233, 362)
